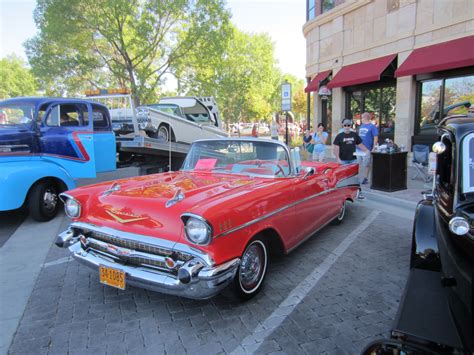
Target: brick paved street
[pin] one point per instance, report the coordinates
(356, 300)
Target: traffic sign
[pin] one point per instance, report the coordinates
(286, 97)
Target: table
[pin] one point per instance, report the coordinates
(389, 171)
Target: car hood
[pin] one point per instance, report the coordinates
(139, 205)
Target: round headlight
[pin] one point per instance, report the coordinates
(72, 208)
(198, 231)
(459, 225)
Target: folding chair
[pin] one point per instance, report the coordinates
(420, 161)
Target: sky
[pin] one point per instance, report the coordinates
(281, 19)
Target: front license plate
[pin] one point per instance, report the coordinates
(112, 277)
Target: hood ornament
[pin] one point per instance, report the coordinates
(178, 196)
(115, 187)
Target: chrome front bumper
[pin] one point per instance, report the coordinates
(202, 281)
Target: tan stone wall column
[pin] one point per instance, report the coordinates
(338, 110)
(316, 111)
(405, 111)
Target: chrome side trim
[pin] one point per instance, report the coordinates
(152, 241)
(349, 181)
(261, 218)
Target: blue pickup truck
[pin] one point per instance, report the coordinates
(46, 144)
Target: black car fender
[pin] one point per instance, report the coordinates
(424, 248)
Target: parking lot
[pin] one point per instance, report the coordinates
(334, 293)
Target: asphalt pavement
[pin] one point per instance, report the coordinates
(336, 292)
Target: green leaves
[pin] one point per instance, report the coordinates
(15, 78)
(102, 43)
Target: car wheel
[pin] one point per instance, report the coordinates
(163, 133)
(252, 269)
(342, 212)
(43, 201)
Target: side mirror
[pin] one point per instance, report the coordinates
(439, 147)
(308, 172)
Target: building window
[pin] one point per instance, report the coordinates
(454, 94)
(379, 101)
(327, 5)
(311, 6)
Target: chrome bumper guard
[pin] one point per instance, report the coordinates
(194, 280)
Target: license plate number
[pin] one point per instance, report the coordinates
(112, 277)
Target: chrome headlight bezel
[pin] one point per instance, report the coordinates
(72, 207)
(459, 225)
(195, 225)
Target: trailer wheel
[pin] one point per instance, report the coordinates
(43, 201)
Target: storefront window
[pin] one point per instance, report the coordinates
(458, 95)
(380, 103)
(454, 94)
(430, 98)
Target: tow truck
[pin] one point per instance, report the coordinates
(159, 133)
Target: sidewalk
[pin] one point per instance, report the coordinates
(403, 198)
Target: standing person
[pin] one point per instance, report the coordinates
(345, 144)
(369, 134)
(319, 140)
(254, 130)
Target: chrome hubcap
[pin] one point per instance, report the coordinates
(343, 210)
(163, 133)
(251, 268)
(50, 199)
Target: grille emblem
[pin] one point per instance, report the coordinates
(117, 250)
(133, 218)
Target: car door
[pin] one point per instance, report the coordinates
(66, 137)
(311, 204)
(104, 140)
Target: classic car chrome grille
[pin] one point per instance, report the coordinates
(136, 252)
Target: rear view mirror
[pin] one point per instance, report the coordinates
(308, 172)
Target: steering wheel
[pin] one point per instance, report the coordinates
(279, 167)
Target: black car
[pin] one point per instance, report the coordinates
(436, 310)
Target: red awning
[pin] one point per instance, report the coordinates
(443, 56)
(361, 73)
(314, 84)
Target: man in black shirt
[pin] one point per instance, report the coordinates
(345, 144)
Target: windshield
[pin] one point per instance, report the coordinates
(267, 159)
(16, 114)
(468, 163)
(167, 108)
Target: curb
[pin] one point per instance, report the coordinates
(395, 201)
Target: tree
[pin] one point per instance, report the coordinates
(133, 43)
(15, 78)
(243, 78)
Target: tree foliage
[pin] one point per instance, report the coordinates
(133, 43)
(244, 79)
(16, 78)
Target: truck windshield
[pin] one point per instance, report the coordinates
(16, 114)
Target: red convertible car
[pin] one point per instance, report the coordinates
(193, 232)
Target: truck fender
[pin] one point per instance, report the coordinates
(424, 247)
(17, 178)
